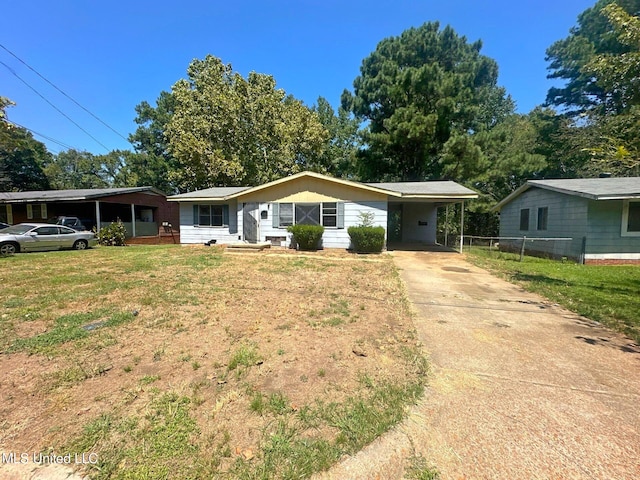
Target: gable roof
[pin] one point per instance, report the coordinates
(71, 195)
(438, 189)
(618, 188)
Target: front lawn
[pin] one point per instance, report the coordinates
(607, 294)
(188, 362)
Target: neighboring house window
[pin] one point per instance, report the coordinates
(211, 215)
(327, 214)
(36, 211)
(524, 219)
(631, 218)
(543, 214)
(6, 214)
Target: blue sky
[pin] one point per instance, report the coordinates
(111, 55)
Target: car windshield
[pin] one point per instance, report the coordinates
(18, 229)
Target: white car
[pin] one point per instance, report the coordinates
(37, 237)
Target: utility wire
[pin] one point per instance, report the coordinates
(58, 142)
(56, 108)
(63, 93)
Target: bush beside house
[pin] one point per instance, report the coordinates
(367, 239)
(113, 235)
(307, 237)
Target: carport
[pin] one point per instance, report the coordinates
(140, 209)
(412, 218)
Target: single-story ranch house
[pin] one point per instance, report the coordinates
(226, 215)
(141, 209)
(600, 215)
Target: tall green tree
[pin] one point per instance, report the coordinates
(153, 162)
(339, 157)
(21, 156)
(421, 95)
(600, 63)
(228, 130)
(512, 157)
(618, 74)
(591, 38)
(73, 169)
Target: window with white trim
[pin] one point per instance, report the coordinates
(330, 214)
(211, 215)
(631, 218)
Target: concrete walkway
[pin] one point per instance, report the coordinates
(521, 389)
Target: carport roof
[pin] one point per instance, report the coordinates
(71, 195)
(430, 190)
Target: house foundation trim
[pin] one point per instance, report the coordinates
(612, 256)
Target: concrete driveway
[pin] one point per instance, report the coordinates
(521, 389)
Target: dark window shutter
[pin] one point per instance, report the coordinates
(340, 214)
(225, 215)
(195, 215)
(275, 215)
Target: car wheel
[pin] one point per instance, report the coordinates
(80, 245)
(9, 248)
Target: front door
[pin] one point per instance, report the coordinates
(250, 222)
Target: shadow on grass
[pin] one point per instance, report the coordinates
(527, 277)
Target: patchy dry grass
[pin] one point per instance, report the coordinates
(187, 362)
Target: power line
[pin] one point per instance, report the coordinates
(63, 93)
(58, 142)
(52, 105)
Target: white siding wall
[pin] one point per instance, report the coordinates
(414, 215)
(333, 237)
(190, 233)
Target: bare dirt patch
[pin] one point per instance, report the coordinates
(247, 340)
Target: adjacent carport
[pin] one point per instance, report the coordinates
(141, 209)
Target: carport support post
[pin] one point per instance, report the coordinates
(446, 225)
(133, 220)
(97, 216)
(461, 225)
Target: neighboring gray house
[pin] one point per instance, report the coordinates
(601, 215)
(408, 211)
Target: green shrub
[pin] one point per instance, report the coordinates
(367, 239)
(112, 235)
(307, 236)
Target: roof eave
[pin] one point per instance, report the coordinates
(341, 181)
(452, 197)
(197, 199)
